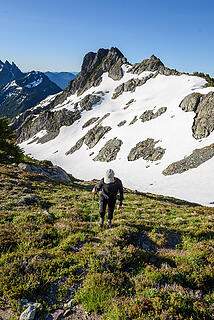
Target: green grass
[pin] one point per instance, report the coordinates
(157, 262)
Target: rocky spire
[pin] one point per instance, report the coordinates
(94, 65)
(9, 72)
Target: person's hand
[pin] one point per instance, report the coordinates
(94, 190)
(119, 207)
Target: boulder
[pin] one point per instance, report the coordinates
(203, 106)
(146, 150)
(109, 151)
(95, 134)
(190, 102)
(149, 114)
(28, 314)
(76, 147)
(52, 172)
(121, 123)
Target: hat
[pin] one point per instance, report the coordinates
(109, 176)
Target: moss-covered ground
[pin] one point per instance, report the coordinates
(156, 262)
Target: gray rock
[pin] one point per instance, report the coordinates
(149, 114)
(91, 138)
(95, 134)
(190, 102)
(89, 122)
(93, 67)
(121, 123)
(204, 121)
(133, 120)
(115, 71)
(128, 104)
(152, 64)
(52, 172)
(88, 101)
(118, 91)
(28, 314)
(109, 151)
(69, 304)
(131, 85)
(103, 118)
(203, 106)
(29, 199)
(195, 159)
(146, 150)
(76, 147)
(46, 120)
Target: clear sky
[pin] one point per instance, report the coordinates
(55, 35)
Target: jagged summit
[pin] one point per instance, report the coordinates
(24, 91)
(9, 72)
(94, 65)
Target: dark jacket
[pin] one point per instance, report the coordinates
(110, 190)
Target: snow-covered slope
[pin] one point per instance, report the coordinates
(169, 131)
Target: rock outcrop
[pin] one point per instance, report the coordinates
(95, 134)
(88, 101)
(89, 122)
(47, 120)
(48, 170)
(203, 106)
(146, 150)
(93, 67)
(133, 120)
(109, 151)
(121, 123)
(131, 85)
(194, 160)
(91, 138)
(149, 114)
(153, 64)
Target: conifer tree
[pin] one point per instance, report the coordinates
(9, 151)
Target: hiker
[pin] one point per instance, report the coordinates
(110, 185)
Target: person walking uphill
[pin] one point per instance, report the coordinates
(110, 185)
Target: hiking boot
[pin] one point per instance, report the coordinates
(101, 222)
(109, 223)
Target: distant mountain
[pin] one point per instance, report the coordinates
(19, 91)
(9, 72)
(154, 126)
(61, 78)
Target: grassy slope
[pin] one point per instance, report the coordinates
(155, 263)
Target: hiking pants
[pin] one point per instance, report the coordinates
(111, 205)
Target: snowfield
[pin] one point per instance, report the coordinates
(171, 130)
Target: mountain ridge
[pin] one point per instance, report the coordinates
(20, 91)
(129, 117)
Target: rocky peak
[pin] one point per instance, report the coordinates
(94, 65)
(151, 64)
(9, 72)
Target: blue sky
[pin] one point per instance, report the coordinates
(55, 35)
